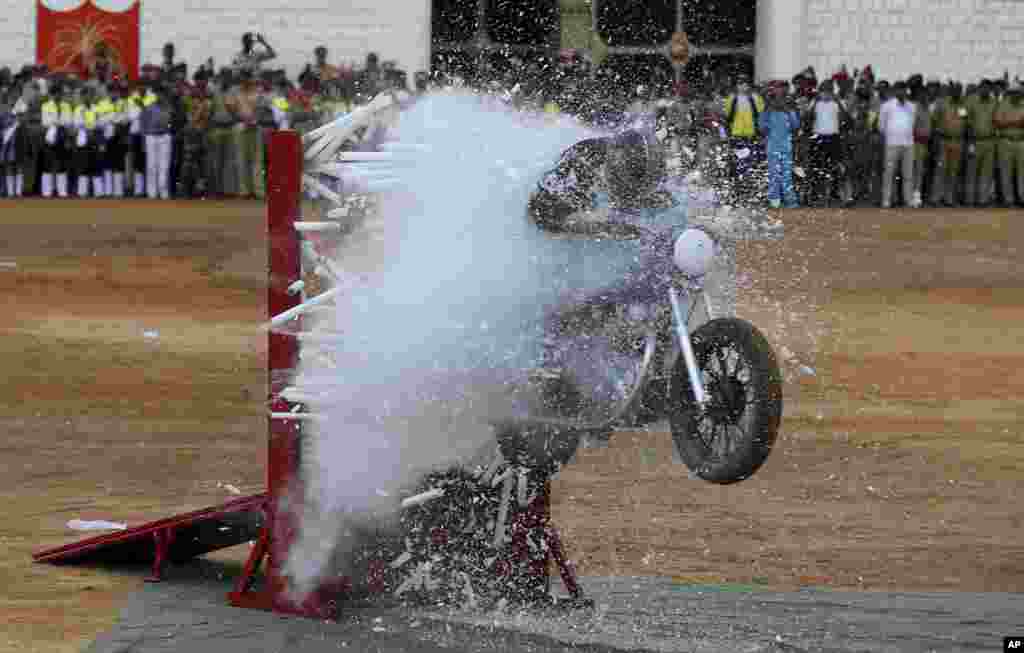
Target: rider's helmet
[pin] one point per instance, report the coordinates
(634, 167)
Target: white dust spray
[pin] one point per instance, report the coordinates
(445, 291)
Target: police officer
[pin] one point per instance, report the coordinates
(57, 121)
(951, 125)
(1009, 122)
(120, 141)
(982, 135)
(82, 137)
(106, 121)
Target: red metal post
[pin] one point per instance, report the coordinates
(284, 197)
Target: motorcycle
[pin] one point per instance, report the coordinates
(627, 358)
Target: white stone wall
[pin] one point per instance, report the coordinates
(960, 39)
(396, 29)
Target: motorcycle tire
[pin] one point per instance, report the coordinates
(744, 407)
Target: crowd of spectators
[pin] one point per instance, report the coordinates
(852, 139)
(167, 134)
(849, 139)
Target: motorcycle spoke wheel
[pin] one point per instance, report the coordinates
(730, 437)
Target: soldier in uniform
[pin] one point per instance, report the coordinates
(193, 180)
(951, 124)
(103, 134)
(220, 141)
(982, 135)
(119, 140)
(1009, 121)
(57, 121)
(28, 108)
(82, 140)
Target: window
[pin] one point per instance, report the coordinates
(636, 22)
(720, 22)
(524, 22)
(453, 21)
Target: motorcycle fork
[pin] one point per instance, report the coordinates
(681, 310)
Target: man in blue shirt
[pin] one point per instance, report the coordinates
(778, 123)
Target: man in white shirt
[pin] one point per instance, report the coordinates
(896, 122)
(826, 145)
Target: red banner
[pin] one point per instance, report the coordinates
(75, 39)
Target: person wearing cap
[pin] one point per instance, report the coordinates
(83, 141)
(248, 138)
(1009, 122)
(106, 126)
(982, 138)
(119, 140)
(742, 109)
(221, 166)
(193, 175)
(951, 125)
(778, 123)
(58, 123)
(28, 108)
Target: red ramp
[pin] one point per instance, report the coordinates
(174, 539)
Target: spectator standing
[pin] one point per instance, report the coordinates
(248, 138)
(778, 123)
(896, 121)
(156, 128)
(1009, 121)
(193, 176)
(742, 110)
(120, 140)
(825, 114)
(169, 68)
(8, 141)
(249, 60)
(951, 124)
(82, 139)
(859, 184)
(922, 139)
(29, 151)
(221, 166)
(103, 132)
(982, 131)
(57, 120)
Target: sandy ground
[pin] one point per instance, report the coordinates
(135, 386)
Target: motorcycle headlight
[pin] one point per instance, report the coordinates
(693, 253)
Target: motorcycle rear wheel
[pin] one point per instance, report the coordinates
(729, 439)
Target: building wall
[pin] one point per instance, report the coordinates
(965, 39)
(395, 29)
(961, 39)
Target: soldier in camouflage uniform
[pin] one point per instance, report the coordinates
(194, 168)
(982, 134)
(951, 125)
(1009, 121)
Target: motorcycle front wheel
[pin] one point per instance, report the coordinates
(730, 438)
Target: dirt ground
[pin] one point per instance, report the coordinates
(135, 379)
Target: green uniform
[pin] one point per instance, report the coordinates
(981, 170)
(1011, 148)
(951, 124)
(220, 151)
